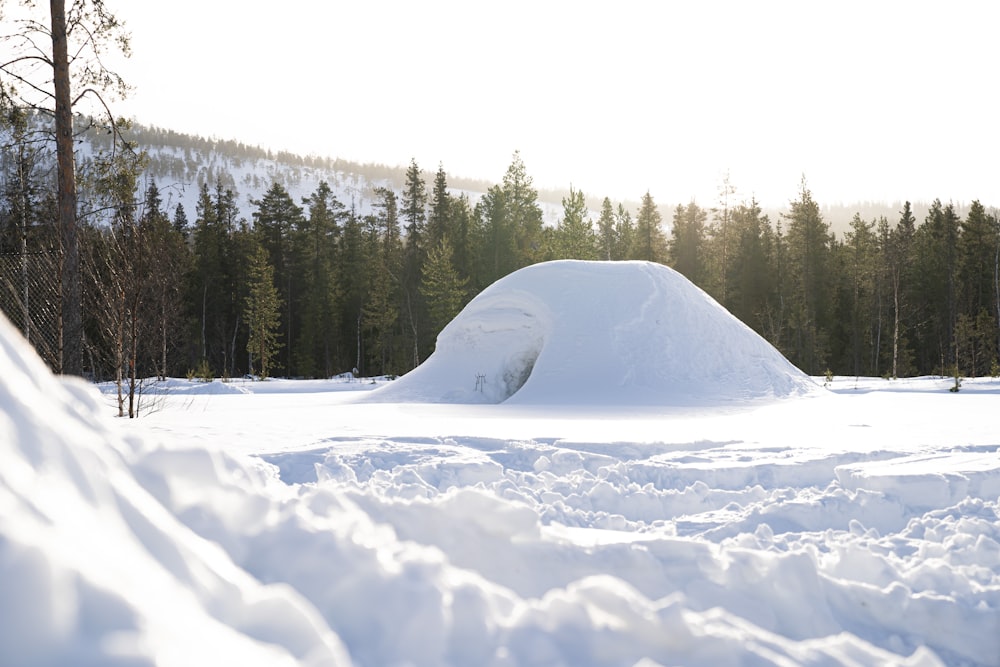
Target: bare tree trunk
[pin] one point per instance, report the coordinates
(232, 347)
(120, 352)
(71, 361)
(895, 322)
(357, 362)
(133, 354)
(413, 327)
(996, 292)
(204, 316)
(21, 187)
(163, 335)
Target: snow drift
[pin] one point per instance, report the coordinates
(597, 333)
(94, 570)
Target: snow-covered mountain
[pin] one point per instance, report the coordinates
(180, 164)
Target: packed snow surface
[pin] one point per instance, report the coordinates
(604, 333)
(293, 523)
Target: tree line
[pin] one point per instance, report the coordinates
(313, 288)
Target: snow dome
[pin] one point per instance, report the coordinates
(597, 333)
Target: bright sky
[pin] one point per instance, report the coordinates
(870, 100)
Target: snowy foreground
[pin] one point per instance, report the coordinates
(318, 523)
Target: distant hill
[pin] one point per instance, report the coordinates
(181, 163)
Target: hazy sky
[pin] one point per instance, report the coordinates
(870, 100)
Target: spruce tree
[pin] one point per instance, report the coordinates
(414, 213)
(899, 258)
(262, 312)
(354, 266)
(574, 237)
(721, 243)
(462, 235)
(935, 246)
(496, 238)
(809, 246)
(649, 243)
(442, 286)
(215, 290)
(522, 212)
(439, 220)
(383, 303)
(859, 252)
(606, 231)
(624, 234)
(275, 222)
(180, 222)
(168, 264)
(753, 288)
(685, 250)
(315, 249)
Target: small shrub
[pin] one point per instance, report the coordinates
(202, 372)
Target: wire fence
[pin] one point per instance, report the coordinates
(29, 297)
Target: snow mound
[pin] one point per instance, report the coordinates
(597, 333)
(94, 570)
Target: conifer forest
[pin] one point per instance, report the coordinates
(315, 288)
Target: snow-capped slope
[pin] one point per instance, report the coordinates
(608, 333)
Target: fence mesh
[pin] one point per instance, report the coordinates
(29, 297)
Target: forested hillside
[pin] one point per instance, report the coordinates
(215, 258)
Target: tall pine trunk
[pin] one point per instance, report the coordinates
(71, 349)
(895, 323)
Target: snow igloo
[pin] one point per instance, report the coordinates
(597, 333)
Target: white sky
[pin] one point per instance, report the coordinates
(870, 100)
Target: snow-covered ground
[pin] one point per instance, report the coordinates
(352, 522)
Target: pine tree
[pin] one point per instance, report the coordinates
(168, 264)
(522, 212)
(180, 222)
(315, 250)
(649, 243)
(899, 257)
(382, 307)
(977, 265)
(685, 250)
(215, 289)
(354, 265)
(275, 222)
(936, 287)
(262, 312)
(496, 238)
(606, 231)
(624, 234)
(976, 250)
(753, 293)
(441, 285)
(574, 237)
(859, 252)
(439, 223)
(414, 213)
(462, 236)
(809, 246)
(59, 80)
(721, 244)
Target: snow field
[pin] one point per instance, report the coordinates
(324, 523)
